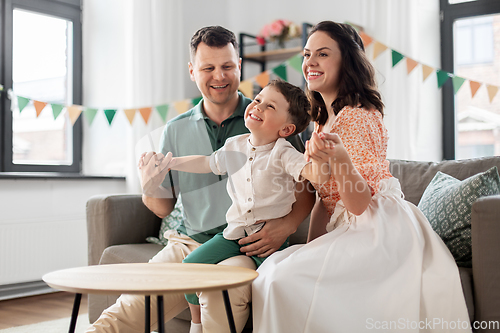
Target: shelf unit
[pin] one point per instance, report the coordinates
(261, 58)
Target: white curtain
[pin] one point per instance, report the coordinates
(132, 59)
(413, 106)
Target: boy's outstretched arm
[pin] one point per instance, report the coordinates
(192, 164)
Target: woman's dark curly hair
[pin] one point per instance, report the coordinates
(357, 84)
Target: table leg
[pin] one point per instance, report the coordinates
(161, 317)
(147, 315)
(229, 312)
(74, 314)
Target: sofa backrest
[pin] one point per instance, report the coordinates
(414, 176)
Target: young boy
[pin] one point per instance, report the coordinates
(261, 167)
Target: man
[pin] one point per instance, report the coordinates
(215, 67)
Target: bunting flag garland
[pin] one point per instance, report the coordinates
(474, 86)
(457, 83)
(247, 88)
(56, 110)
(90, 114)
(74, 112)
(130, 114)
(396, 57)
(110, 114)
(22, 102)
(146, 113)
(162, 110)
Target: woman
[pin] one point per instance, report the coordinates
(372, 261)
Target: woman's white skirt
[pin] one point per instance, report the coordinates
(385, 270)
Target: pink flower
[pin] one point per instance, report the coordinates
(261, 40)
(276, 27)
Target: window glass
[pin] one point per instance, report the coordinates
(42, 70)
(477, 119)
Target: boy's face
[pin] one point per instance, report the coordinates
(216, 72)
(267, 115)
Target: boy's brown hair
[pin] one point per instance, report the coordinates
(299, 105)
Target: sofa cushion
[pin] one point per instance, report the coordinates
(447, 204)
(170, 222)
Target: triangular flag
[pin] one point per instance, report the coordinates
(262, 79)
(56, 110)
(182, 106)
(130, 114)
(396, 57)
(90, 114)
(492, 91)
(145, 113)
(474, 86)
(22, 102)
(39, 107)
(378, 49)
(457, 83)
(110, 114)
(442, 77)
(246, 88)
(281, 71)
(410, 65)
(426, 71)
(74, 112)
(162, 110)
(367, 40)
(196, 100)
(296, 62)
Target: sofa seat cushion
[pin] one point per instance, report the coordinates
(129, 253)
(447, 204)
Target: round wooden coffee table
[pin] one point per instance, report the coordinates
(150, 279)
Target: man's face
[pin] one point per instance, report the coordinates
(216, 72)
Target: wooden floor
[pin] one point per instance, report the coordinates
(35, 309)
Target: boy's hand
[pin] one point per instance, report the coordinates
(152, 169)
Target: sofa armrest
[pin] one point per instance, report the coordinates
(117, 219)
(485, 233)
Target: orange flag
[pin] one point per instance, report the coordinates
(74, 112)
(39, 107)
(410, 65)
(262, 79)
(246, 88)
(426, 71)
(130, 114)
(474, 86)
(492, 91)
(182, 106)
(145, 113)
(367, 40)
(378, 49)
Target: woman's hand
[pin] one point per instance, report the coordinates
(326, 148)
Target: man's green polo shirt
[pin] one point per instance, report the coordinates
(204, 196)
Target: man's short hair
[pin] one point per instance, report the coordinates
(299, 105)
(213, 36)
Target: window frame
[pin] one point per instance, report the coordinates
(449, 14)
(69, 10)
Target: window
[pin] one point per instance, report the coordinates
(469, 32)
(41, 55)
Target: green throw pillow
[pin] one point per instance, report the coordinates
(170, 222)
(447, 204)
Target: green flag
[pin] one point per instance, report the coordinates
(56, 110)
(296, 62)
(90, 115)
(163, 110)
(281, 71)
(110, 114)
(396, 57)
(457, 83)
(22, 102)
(442, 77)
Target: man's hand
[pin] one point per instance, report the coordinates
(267, 240)
(153, 168)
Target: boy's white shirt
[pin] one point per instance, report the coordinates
(261, 181)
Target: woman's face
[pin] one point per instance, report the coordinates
(322, 63)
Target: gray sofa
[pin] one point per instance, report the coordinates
(118, 225)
